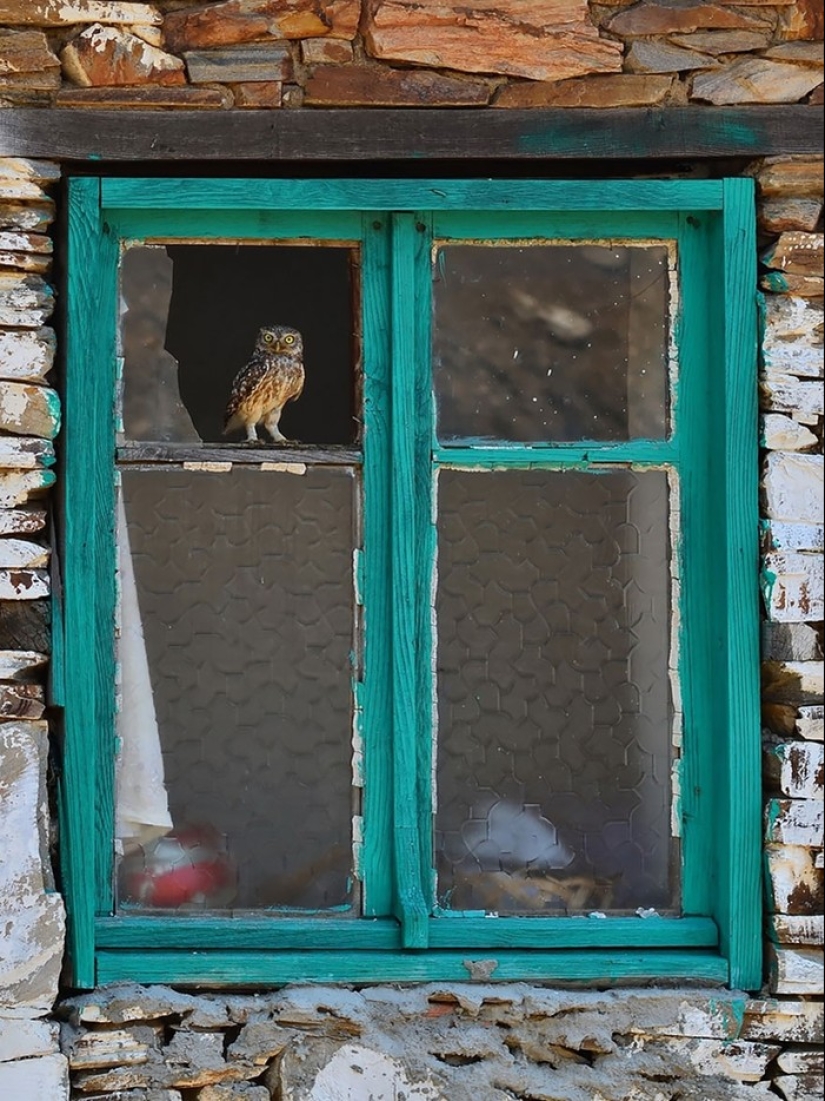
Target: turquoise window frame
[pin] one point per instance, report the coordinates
(401, 936)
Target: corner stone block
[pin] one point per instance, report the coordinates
(27, 1039)
(32, 920)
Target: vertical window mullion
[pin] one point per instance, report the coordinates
(410, 903)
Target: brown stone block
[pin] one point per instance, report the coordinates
(107, 56)
(799, 253)
(804, 286)
(755, 80)
(539, 39)
(145, 96)
(669, 16)
(25, 52)
(240, 64)
(779, 215)
(46, 81)
(236, 21)
(803, 19)
(263, 93)
(611, 90)
(786, 177)
(800, 53)
(360, 86)
(326, 51)
(722, 42)
(648, 56)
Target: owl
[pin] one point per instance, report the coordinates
(273, 376)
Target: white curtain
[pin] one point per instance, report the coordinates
(141, 803)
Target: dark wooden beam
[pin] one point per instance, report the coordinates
(360, 135)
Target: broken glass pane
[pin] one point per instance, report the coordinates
(554, 703)
(244, 589)
(190, 314)
(550, 343)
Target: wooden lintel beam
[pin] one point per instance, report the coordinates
(379, 134)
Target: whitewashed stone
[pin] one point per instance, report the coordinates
(26, 1039)
(59, 13)
(793, 338)
(42, 1079)
(796, 970)
(789, 394)
(29, 410)
(20, 665)
(24, 584)
(799, 929)
(790, 642)
(782, 433)
(22, 521)
(26, 301)
(793, 487)
(811, 723)
(20, 553)
(809, 677)
(797, 768)
(36, 243)
(18, 488)
(32, 920)
(785, 535)
(795, 822)
(793, 1087)
(795, 884)
(784, 1020)
(25, 454)
(26, 216)
(27, 356)
(110, 1048)
(14, 190)
(793, 587)
(22, 168)
(353, 1070)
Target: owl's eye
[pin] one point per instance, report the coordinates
(289, 339)
(268, 338)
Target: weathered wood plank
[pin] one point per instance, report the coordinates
(227, 453)
(378, 134)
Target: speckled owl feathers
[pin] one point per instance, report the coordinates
(273, 376)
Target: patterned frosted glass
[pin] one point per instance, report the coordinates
(244, 581)
(550, 342)
(554, 744)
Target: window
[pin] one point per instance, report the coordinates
(461, 680)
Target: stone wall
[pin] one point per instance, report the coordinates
(408, 53)
(452, 1042)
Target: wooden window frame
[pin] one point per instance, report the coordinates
(715, 447)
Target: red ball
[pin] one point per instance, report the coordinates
(187, 867)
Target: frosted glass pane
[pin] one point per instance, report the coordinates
(550, 342)
(244, 583)
(554, 742)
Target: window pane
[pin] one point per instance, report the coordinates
(550, 342)
(244, 593)
(190, 317)
(554, 746)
